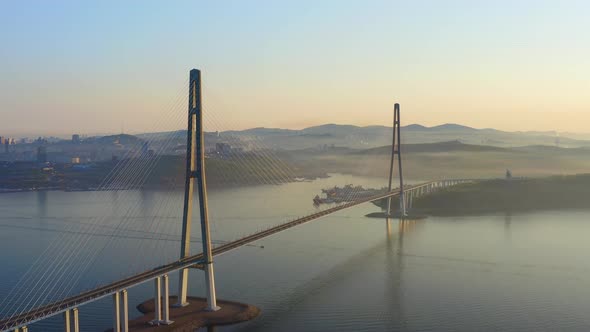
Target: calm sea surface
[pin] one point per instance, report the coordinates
(344, 272)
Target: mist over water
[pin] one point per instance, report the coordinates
(344, 272)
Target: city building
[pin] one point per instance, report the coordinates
(222, 148)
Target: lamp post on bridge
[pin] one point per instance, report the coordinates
(195, 169)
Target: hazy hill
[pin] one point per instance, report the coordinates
(367, 137)
(450, 146)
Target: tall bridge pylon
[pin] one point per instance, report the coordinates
(195, 169)
(396, 150)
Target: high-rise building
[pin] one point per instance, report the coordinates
(75, 138)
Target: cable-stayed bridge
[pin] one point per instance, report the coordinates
(195, 176)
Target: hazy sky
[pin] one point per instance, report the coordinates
(77, 66)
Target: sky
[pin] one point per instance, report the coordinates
(109, 66)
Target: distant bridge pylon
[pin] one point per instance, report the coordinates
(396, 150)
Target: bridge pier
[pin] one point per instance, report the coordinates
(402, 203)
(157, 302)
(69, 318)
(116, 313)
(76, 320)
(162, 310)
(120, 325)
(166, 306)
(125, 322)
(67, 321)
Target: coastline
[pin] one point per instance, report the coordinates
(506, 196)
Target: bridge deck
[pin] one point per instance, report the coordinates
(55, 308)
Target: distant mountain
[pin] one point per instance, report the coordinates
(415, 127)
(334, 128)
(450, 146)
(452, 127)
(261, 131)
(357, 137)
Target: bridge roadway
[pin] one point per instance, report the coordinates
(58, 307)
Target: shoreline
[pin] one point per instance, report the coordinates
(506, 196)
(158, 188)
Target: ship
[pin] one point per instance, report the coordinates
(348, 193)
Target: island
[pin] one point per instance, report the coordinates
(505, 196)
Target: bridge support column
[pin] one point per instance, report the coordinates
(25, 329)
(116, 313)
(166, 306)
(157, 302)
(125, 322)
(67, 321)
(118, 324)
(76, 320)
(402, 203)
